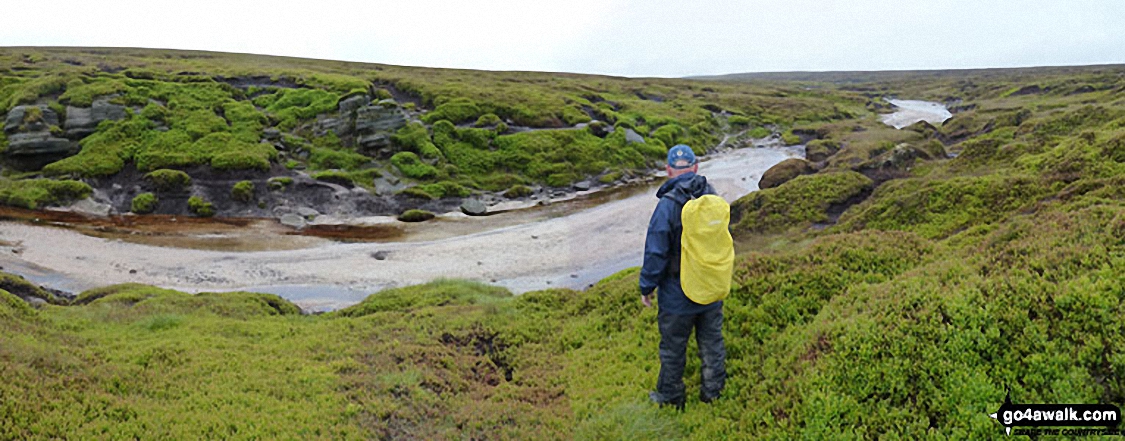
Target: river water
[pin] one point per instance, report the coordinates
(570, 244)
(911, 111)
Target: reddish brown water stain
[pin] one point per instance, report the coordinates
(351, 232)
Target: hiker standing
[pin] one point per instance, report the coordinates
(688, 260)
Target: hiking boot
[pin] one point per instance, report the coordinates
(678, 403)
(707, 399)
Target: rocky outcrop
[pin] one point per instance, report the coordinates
(32, 139)
(785, 171)
(372, 119)
(82, 121)
(374, 126)
(350, 104)
(38, 144)
(24, 119)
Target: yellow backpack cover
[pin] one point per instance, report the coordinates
(706, 249)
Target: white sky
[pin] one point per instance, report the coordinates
(618, 37)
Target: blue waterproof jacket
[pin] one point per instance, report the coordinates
(661, 269)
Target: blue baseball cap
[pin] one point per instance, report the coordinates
(679, 154)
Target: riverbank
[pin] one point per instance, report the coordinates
(564, 245)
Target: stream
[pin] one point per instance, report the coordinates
(568, 244)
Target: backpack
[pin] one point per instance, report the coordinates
(706, 249)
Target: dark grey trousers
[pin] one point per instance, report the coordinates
(674, 332)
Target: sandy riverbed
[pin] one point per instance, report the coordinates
(572, 250)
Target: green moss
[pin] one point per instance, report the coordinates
(487, 120)
(518, 191)
(169, 180)
(759, 133)
(414, 137)
(200, 207)
(418, 192)
(411, 166)
(82, 94)
(242, 191)
(443, 189)
(456, 110)
(292, 106)
(572, 116)
(415, 216)
(670, 134)
(790, 139)
(279, 183)
(334, 176)
(38, 193)
(324, 158)
(143, 203)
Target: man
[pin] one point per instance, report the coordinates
(678, 314)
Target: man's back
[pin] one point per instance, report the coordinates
(662, 245)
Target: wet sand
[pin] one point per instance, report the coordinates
(566, 246)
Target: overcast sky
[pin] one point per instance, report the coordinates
(618, 37)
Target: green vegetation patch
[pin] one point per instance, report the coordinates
(169, 180)
(936, 208)
(801, 200)
(37, 193)
(242, 191)
(143, 203)
(414, 215)
(200, 207)
(412, 167)
(290, 106)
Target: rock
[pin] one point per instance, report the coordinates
(91, 207)
(293, 220)
(387, 102)
(18, 119)
(379, 255)
(783, 172)
(339, 126)
(271, 133)
(350, 104)
(39, 143)
(35, 302)
(307, 213)
(582, 186)
(82, 121)
(374, 141)
(373, 119)
(473, 207)
(632, 136)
